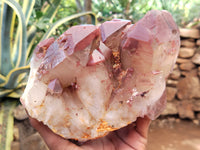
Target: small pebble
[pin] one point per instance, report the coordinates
(196, 122)
(20, 113)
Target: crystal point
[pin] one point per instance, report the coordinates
(54, 87)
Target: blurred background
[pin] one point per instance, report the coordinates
(24, 23)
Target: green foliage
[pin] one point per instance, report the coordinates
(61, 21)
(67, 8)
(6, 124)
(183, 11)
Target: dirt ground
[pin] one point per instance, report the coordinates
(164, 134)
(174, 135)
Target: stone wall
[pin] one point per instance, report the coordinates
(183, 85)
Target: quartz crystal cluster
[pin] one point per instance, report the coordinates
(93, 80)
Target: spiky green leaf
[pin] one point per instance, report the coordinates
(12, 77)
(5, 21)
(51, 9)
(27, 9)
(21, 51)
(4, 92)
(2, 78)
(6, 124)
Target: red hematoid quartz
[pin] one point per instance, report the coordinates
(93, 80)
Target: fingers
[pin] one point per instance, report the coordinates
(53, 141)
(134, 135)
(142, 126)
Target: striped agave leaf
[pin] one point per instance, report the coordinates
(6, 124)
(16, 44)
(10, 71)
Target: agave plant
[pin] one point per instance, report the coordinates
(16, 43)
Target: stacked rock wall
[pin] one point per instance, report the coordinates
(183, 85)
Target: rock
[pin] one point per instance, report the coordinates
(170, 109)
(188, 88)
(175, 74)
(189, 33)
(171, 92)
(172, 83)
(34, 142)
(196, 59)
(198, 42)
(185, 109)
(15, 145)
(16, 133)
(175, 66)
(188, 43)
(190, 39)
(186, 52)
(195, 121)
(187, 66)
(196, 105)
(192, 72)
(198, 116)
(171, 119)
(182, 60)
(20, 113)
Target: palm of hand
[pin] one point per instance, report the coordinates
(132, 137)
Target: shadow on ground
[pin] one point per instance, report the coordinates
(174, 135)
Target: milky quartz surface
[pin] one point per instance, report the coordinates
(94, 80)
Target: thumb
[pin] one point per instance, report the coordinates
(142, 126)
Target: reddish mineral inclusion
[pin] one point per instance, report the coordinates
(93, 80)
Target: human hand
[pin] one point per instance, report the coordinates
(131, 137)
